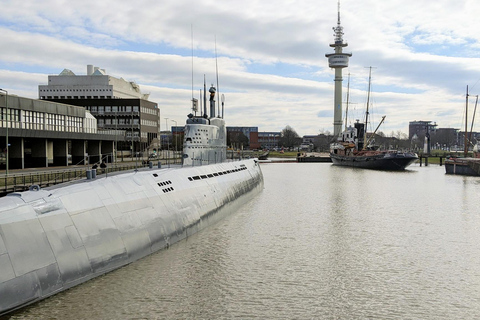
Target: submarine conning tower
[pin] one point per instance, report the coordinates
(338, 60)
(212, 91)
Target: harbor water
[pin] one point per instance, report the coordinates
(319, 242)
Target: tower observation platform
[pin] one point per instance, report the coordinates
(338, 60)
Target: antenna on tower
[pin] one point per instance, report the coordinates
(216, 70)
(338, 12)
(194, 101)
(204, 98)
(338, 29)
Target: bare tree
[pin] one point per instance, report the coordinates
(289, 137)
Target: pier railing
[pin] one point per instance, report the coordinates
(23, 180)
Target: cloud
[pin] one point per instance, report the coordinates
(271, 62)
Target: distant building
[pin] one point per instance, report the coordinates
(418, 129)
(138, 118)
(472, 138)
(96, 84)
(308, 143)
(116, 104)
(269, 140)
(309, 138)
(235, 135)
(445, 139)
(43, 133)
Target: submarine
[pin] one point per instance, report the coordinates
(54, 238)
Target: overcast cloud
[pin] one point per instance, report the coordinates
(271, 56)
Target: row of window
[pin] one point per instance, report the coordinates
(120, 121)
(207, 147)
(149, 111)
(76, 97)
(73, 90)
(216, 174)
(101, 109)
(149, 123)
(34, 120)
(129, 134)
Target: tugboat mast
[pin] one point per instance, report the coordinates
(338, 60)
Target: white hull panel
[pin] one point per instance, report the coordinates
(58, 237)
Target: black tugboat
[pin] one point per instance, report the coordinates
(354, 150)
(350, 152)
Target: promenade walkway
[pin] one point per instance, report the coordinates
(22, 179)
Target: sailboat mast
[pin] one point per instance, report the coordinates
(465, 148)
(473, 120)
(366, 114)
(348, 95)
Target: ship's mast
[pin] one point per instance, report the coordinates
(338, 60)
(348, 96)
(465, 145)
(368, 103)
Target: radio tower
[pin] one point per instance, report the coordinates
(338, 61)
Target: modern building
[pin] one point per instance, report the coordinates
(96, 84)
(235, 135)
(41, 133)
(137, 118)
(245, 130)
(446, 139)
(116, 104)
(418, 129)
(269, 140)
(472, 138)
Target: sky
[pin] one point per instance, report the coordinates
(270, 56)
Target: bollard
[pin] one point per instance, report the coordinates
(150, 164)
(94, 173)
(159, 165)
(89, 174)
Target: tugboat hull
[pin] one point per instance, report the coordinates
(389, 162)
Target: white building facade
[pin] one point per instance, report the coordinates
(96, 84)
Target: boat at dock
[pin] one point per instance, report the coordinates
(353, 149)
(466, 166)
(350, 153)
(264, 156)
(54, 238)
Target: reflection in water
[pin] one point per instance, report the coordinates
(319, 242)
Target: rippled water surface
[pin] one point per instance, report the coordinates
(320, 242)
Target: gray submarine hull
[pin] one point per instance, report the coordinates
(55, 238)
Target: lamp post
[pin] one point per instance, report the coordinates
(116, 132)
(175, 141)
(6, 136)
(168, 144)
